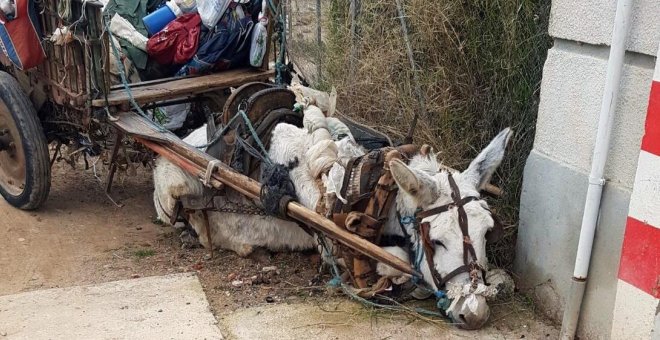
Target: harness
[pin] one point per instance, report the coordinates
(470, 264)
(370, 192)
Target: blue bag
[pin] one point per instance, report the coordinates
(226, 46)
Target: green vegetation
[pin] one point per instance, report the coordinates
(142, 253)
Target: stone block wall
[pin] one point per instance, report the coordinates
(557, 170)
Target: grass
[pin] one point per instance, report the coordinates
(144, 253)
(480, 65)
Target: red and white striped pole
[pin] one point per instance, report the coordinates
(638, 290)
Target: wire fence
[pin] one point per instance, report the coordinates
(468, 69)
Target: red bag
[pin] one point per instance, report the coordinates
(20, 37)
(177, 42)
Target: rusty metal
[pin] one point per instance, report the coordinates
(207, 226)
(242, 94)
(113, 160)
(267, 100)
(12, 156)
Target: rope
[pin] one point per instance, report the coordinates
(280, 66)
(64, 9)
(442, 300)
(336, 282)
(261, 154)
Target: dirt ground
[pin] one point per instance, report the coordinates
(81, 237)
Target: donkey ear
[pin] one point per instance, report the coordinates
(482, 168)
(418, 185)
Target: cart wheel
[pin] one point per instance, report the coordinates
(24, 158)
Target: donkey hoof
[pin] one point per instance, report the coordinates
(189, 239)
(421, 294)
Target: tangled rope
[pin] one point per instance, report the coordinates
(349, 291)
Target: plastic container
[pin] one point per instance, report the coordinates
(159, 18)
(212, 11)
(259, 39)
(187, 6)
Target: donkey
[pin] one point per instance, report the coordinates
(423, 185)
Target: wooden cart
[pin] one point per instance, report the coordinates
(69, 97)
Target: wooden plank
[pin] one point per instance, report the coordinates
(195, 162)
(183, 87)
(135, 125)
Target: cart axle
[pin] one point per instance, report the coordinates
(6, 142)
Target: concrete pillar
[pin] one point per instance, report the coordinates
(557, 170)
(638, 289)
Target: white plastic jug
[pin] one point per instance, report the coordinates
(259, 38)
(211, 11)
(187, 6)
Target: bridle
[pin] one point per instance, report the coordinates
(470, 263)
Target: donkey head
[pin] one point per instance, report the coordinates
(450, 253)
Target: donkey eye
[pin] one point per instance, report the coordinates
(439, 243)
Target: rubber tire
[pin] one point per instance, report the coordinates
(37, 158)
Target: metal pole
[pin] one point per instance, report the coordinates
(596, 177)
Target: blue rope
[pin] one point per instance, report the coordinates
(261, 154)
(254, 133)
(280, 64)
(336, 282)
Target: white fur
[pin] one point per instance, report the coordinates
(397, 276)
(327, 102)
(422, 185)
(236, 232)
(314, 119)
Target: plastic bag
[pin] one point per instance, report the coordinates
(177, 43)
(187, 6)
(174, 115)
(212, 11)
(120, 27)
(8, 8)
(259, 38)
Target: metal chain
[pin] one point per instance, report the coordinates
(240, 208)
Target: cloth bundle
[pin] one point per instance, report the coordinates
(177, 43)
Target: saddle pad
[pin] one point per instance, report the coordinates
(20, 37)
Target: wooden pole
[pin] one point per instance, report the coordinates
(354, 11)
(195, 162)
(319, 42)
(413, 68)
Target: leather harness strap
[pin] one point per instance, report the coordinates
(174, 217)
(469, 266)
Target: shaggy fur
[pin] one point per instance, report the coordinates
(422, 186)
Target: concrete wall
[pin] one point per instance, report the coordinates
(556, 174)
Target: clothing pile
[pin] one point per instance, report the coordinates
(159, 38)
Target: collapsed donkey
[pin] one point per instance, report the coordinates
(437, 242)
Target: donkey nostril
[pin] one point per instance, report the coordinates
(462, 318)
